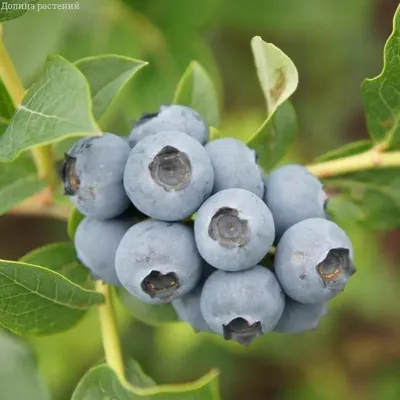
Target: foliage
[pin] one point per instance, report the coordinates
(101, 382)
(382, 100)
(48, 291)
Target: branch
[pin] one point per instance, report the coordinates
(109, 331)
(40, 205)
(32, 210)
(370, 159)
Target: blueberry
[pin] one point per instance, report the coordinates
(92, 175)
(158, 261)
(234, 230)
(168, 176)
(187, 308)
(298, 317)
(293, 194)
(96, 243)
(170, 118)
(235, 166)
(313, 260)
(242, 305)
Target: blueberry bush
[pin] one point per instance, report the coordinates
(179, 220)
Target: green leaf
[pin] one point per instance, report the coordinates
(59, 257)
(36, 300)
(107, 75)
(74, 219)
(382, 93)
(6, 105)
(344, 208)
(276, 72)
(19, 376)
(273, 138)
(349, 149)
(196, 89)
(57, 106)
(371, 198)
(101, 383)
(279, 78)
(385, 383)
(3, 127)
(148, 313)
(18, 181)
(15, 8)
(136, 376)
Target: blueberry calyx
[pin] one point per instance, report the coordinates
(228, 229)
(171, 169)
(160, 286)
(69, 177)
(242, 331)
(336, 268)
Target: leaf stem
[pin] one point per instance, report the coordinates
(9, 75)
(370, 159)
(42, 155)
(45, 164)
(109, 331)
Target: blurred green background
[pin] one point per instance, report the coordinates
(355, 354)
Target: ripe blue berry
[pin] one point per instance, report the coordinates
(96, 243)
(170, 118)
(298, 317)
(234, 230)
(158, 261)
(242, 305)
(314, 260)
(168, 176)
(187, 308)
(92, 175)
(235, 166)
(293, 194)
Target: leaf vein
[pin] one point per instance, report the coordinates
(56, 301)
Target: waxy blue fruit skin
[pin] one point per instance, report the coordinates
(171, 118)
(293, 194)
(151, 248)
(234, 230)
(187, 308)
(235, 166)
(96, 243)
(93, 176)
(314, 260)
(168, 176)
(298, 317)
(253, 295)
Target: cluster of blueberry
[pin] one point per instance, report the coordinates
(211, 270)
